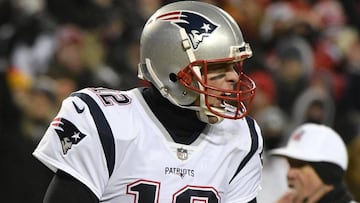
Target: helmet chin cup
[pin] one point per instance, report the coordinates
(208, 117)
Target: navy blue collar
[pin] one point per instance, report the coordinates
(182, 124)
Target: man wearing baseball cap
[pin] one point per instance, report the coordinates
(318, 159)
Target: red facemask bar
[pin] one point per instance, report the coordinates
(235, 102)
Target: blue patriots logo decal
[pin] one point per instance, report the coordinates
(68, 133)
(196, 25)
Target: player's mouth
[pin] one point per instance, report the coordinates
(231, 106)
(223, 102)
(220, 102)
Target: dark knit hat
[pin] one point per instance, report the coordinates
(329, 173)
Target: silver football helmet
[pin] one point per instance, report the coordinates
(179, 42)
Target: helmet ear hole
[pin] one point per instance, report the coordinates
(173, 77)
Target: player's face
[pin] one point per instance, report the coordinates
(221, 79)
(303, 179)
(222, 76)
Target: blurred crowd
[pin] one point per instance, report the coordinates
(306, 65)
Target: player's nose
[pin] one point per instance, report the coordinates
(232, 76)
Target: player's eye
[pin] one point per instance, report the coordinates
(297, 163)
(218, 71)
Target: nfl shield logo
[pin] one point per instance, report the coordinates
(182, 153)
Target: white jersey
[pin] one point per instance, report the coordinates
(112, 142)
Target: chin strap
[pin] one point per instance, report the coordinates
(146, 71)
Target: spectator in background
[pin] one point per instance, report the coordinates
(22, 177)
(348, 119)
(316, 103)
(352, 175)
(318, 160)
(292, 69)
(273, 126)
(39, 110)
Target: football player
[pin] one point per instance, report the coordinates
(185, 139)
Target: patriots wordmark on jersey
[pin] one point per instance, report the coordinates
(112, 142)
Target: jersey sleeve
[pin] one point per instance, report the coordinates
(72, 144)
(245, 186)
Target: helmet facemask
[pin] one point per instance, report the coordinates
(234, 102)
